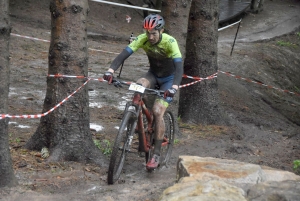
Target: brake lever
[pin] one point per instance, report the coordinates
(117, 84)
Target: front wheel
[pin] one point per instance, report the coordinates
(121, 146)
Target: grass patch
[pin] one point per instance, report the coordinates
(286, 44)
(296, 166)
(104, 146)
(296, 89)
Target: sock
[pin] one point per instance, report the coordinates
(157, 147)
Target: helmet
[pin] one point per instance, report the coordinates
(154, 21)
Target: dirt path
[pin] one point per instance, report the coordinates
(263, 134)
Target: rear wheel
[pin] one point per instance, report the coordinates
(168, 141)
(121, 146)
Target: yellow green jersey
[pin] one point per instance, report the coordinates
(162, 55)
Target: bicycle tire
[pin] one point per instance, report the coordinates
(169, 136)
(150, 140)
(121, 146)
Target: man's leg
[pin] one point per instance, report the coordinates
(159, 109)
(144, 82)
(148, 80)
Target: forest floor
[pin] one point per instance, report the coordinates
(264, 122)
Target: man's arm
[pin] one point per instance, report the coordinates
(178, 73)
(119, 60)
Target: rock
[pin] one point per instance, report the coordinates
(215, 179)
(278, 175)
(219, 169)
(275, 191)
(191, 188)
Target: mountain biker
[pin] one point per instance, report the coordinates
(165, 70)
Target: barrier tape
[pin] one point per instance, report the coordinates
(103, 51)
(259, 83)
(198, 79)
(76, 76)
(126, 5)
(48, 41)
(28, 37)
(34, 116)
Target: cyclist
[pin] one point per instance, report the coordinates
(165, 70)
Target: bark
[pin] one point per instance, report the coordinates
(199, 102)
(7, 177)
(158, 4)
(175, 13)
(257, 6)
(66, 130)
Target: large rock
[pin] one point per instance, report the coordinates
(273, 191)
(191, 188)
(219, 169)
(220, 179)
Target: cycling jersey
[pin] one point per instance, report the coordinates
(164, 57)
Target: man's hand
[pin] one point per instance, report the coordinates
(170, 93)
(108, 76)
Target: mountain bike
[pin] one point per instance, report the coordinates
(138, 119)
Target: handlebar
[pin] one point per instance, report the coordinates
(118, 83)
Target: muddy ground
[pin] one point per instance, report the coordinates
(265, 122)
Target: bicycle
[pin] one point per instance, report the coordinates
(137, 118)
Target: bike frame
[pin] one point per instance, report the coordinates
(142, 109)
(134, 120)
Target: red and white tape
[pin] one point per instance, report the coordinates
(76, 76)
(48, 41)
(259, 83)
(34, 116)
(198, 79)
(185, 76)
(28, 37)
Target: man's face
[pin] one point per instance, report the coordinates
(153, 35)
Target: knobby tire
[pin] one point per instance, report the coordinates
(169, 135)
(121, 147)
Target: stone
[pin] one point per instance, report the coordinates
(191, 189)
(214, 179)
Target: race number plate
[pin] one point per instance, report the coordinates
(137, 88)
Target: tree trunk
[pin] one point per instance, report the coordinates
(175, 13)
(158, 4)
(199, 102)
(7, 177)
(66, 130)
(257, 6)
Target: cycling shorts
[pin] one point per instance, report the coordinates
(164, 83)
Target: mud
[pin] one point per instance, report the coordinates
(264, 125)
